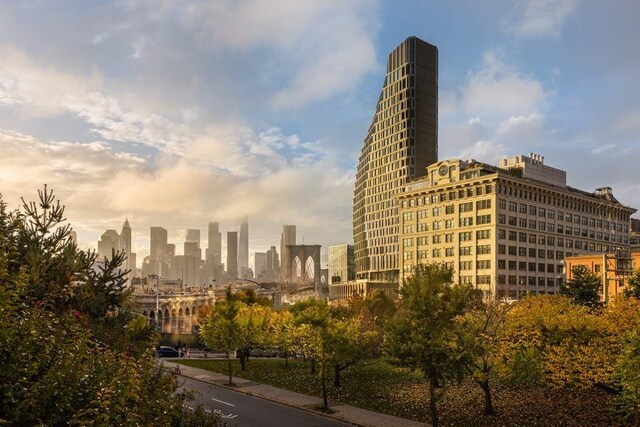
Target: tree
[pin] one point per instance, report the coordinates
(315, 322)
(584, 288)
(548, 340)
(71, 352)
(632, 289)
(253, 323)
(280, 332)
(479, 335)
(222, 328)
(422, 335)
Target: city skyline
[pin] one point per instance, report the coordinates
(108, 117)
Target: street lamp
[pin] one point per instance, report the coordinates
(155, 276)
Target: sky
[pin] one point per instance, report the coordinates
(177, 113)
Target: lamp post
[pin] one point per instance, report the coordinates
(155, 276)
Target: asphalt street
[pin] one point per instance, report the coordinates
(242, 410)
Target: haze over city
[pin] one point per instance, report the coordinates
(175, 113)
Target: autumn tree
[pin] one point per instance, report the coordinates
(422, 335)
(583, 288)
(480, 334)
(316, 324)
(222, 329)
(551, 341)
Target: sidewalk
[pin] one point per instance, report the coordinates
(348, 413)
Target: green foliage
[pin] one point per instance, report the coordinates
(627, 371)
(584, 288)
(249, 297)
(632, 289)
(423, 333)
(71, 353)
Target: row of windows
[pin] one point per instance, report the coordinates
(445, 196)
(448, 210)
(559, 202)
(530, 266)
(529, 280)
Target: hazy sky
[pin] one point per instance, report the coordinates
(176, 113)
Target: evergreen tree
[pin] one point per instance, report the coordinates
(583, 288)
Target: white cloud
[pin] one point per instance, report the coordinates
(497, 89)
(498, 110)
(540, 18)
(326, 46)
(101, 186)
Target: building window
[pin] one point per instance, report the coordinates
(466, 265)
(466, 207)
(483, 234)
(465, 237)
(466, 222)
(484, 264)
(483, 204)
(483, 249)
(483, 219)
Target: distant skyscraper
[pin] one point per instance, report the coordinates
(288, 237)
(243, 246)
(158, 244)
(214, 244)
(193, 235)
(260, 264)
(273, 263)
(125, 236)
(193, 250)
(171, 250)
(402, 141)
(109, 242)
(232, 254)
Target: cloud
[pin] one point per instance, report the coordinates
(101, 185)
(498, 110)
(326, 47)
(540, 18)
(497, 89)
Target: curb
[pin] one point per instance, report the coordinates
(248, 393)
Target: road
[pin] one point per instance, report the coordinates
(242, 410)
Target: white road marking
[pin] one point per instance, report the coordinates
(230, 416)
(222, 401)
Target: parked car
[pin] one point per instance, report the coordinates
(264, 352)
(165, 351)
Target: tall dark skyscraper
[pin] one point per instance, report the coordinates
(402, 141)
(232, 254)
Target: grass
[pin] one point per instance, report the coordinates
(381, 387)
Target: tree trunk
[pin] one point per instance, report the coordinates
(313, 366)
(229, 365)
(433, 406)
(488, 404)
(336, 375)
(286, 359)
(243, 359)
